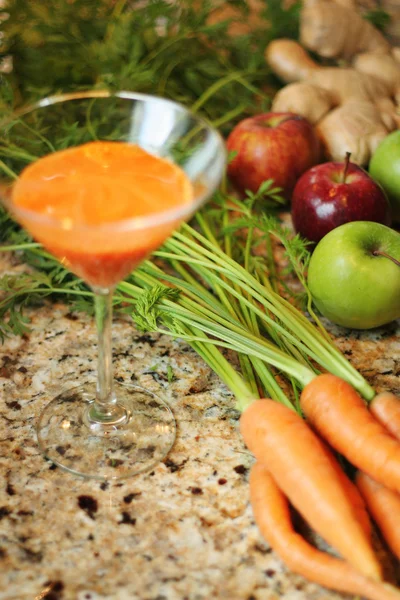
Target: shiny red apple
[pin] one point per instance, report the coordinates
(278, 146)
(334, 193)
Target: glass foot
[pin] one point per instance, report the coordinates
(136, 443)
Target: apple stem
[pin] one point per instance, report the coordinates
(379, 253)
(346, 166)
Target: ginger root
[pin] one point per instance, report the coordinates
(305, 99)
(355, 127)
(382, 66)
(353, 107)
(334, 30)
(289, 61)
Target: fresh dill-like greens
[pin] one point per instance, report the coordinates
(159, 47)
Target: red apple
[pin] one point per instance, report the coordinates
(278, 146)
(333, 193)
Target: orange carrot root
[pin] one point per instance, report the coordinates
(340, 416)
(384, 506)
(297, 460)
(272, 515)
(353, 494)
(386, 409)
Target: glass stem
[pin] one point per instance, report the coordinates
(104, 413)
(103, 312)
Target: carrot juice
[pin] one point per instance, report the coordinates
(101, 207)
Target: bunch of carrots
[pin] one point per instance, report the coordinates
(212, 301)
(296, 461)
(296, 465)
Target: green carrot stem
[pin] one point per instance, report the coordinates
(244, 343)
(270, 307)
(239, 339)
(229, 116)
(6, 169)
(37, 134)
(271, 265)
(267, 379)
(217, 362)
(269, 382)
(234, 305)
(290, 368)
(261, 368)
(16, 153)
(248, 372)
(336, 362)
(265, 375)
(18, 247)
(362, 385)
(215, 87)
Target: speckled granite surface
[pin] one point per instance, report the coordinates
(182, 531)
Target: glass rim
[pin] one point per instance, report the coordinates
(134, 223)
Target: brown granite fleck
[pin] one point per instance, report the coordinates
(240, 469)
(127, 519)
(129, 497)
(88, 504)
(10, 489)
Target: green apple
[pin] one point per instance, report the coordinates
(354, 275)
(384, 168)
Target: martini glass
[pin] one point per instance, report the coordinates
(108, 430)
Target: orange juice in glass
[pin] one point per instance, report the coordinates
(101, 200)
(86, 188)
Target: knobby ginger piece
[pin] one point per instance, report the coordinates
(304, 99)
(337, 31)
(289, 61)
(347, 83)
(354, 127)
(389, 113)
(382, 66)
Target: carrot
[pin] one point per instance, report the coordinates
(340, 416)
(386, 409)
(353, 494)
(296, 458)
(384, 506)
(272, 515)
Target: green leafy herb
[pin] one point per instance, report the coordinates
(147, 309)
(158, 47)
(283, 22)
(9, 230)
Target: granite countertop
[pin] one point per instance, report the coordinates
(181, 532)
